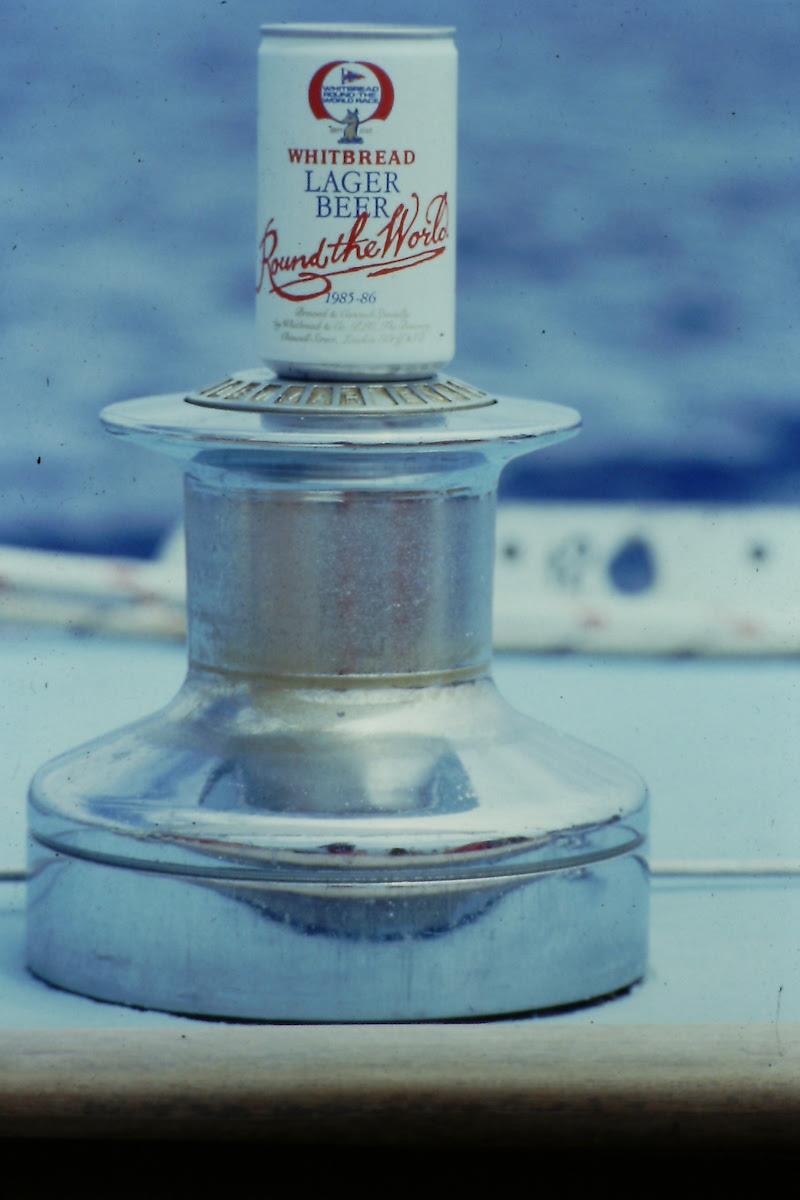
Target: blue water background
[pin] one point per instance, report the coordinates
(629, 239)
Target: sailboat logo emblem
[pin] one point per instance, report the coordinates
(350, 94)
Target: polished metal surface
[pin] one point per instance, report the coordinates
(338, 818)
(184, 429)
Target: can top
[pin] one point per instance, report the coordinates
(327, 30)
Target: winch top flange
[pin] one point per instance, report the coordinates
(255, 409)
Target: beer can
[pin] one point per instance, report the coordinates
(356, 200)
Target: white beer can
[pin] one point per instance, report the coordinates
(356, 200)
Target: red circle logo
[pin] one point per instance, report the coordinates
(350, 94)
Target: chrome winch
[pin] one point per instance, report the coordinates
(338, 818)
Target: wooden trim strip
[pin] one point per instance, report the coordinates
(520, 1083)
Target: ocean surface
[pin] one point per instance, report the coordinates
(629, 240)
